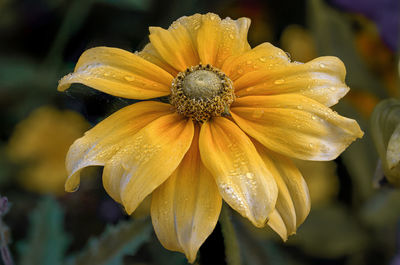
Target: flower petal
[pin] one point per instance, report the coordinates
(147, 159)
(293, 204)
(295, 126)
(186, 207)
(263, 57)
(219, 39)
(321, 79)
(100, 143)
(118, 73)
(150, 54)
(277, 224)
(175, 46)
(242, 178)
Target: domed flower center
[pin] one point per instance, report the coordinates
(202, 92)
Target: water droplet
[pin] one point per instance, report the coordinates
(129, 78)
(231, 36)
(257, 113)
(322, 65)
(240, 71)
(332, 88)
(106, 74)
(299, 107)
(313, 117)
(279, 82)
(310, 145)
(263, 59)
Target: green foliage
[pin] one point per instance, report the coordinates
(329, 233)
(109, 249)
(47, 242)
(132, 4)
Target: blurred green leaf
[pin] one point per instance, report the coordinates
(162, 256)
(333, 35)
(360, 158)
(116, 241)
(47, 242)
(383, 209)
(132, 4)
(330, 232)
(16, 72)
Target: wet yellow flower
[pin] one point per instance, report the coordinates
(40, 143)
(235, 117)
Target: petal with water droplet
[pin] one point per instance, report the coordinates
(100, 143)
(219, 39)
(323, 84)
(288, 130)
(263, 57)
(242, 177)
(118, 73)
(175, 46)
(148, 158)
(186, 207)
(293, 204)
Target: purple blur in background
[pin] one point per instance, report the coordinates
(385, 13)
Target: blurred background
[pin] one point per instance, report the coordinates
(355, 215)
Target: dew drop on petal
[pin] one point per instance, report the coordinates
(129, 78)
(279, 82)
(263, 59)
(257, 113)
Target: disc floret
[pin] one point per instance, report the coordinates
(202, 92)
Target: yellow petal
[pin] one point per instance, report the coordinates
(321, 79)
(101, 142)
(293, 204)
(118, 73)
(295, 126)
(219, 39)
(147, 159)
(242, 177)
(277, 224)
(175, 46)
(264, 57)
(186, 207)
(150, 54)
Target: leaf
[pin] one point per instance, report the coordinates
(116, 241)
(330, 232)
(133, 4)
(382, 210)
(47, 242)
(360, 157)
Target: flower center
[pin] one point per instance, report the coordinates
(202, 92)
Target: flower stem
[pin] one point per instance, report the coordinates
(232, 251)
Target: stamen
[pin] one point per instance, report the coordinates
(202, 92)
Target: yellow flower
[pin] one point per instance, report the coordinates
(41, 142)
(235, 117)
